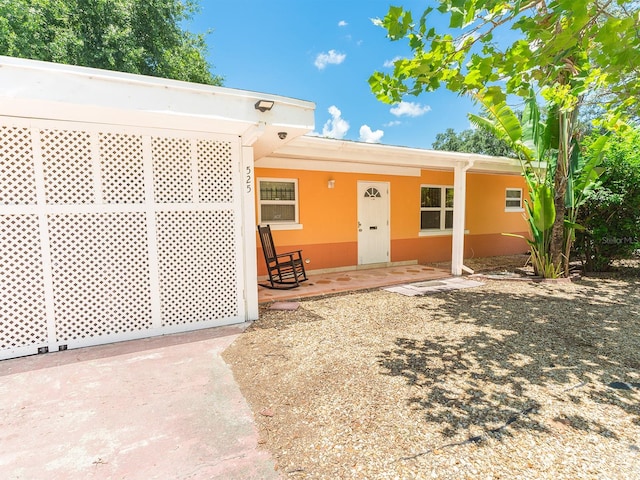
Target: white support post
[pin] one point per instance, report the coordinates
(249, 234)
(459, 202)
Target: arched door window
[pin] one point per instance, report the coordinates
(372, 192)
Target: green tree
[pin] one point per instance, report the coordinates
(611, 217)
(143, 37)
(531, 137)
(472, 141)
(562, 48)
(449, 141)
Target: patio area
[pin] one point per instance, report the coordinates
(353, 280)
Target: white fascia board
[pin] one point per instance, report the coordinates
(41, 109)
(83, 90)
(324, 149)
(507, 167)
(337, 166)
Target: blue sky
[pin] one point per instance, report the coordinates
(324, 52)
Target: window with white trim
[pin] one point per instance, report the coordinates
(277, 201)
(513, 200)
(436, 208)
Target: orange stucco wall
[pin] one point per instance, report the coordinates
(329, 217)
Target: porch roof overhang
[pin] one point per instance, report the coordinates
(317, 153)
(39, 89)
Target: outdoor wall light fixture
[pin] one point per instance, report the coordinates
(331, 183)
(264, 105)
(282, 135)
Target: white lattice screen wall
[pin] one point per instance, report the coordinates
(109, 234)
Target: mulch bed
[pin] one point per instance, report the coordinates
(506, 380)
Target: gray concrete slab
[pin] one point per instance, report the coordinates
(160, 408)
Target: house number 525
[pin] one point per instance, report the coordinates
(249, 179)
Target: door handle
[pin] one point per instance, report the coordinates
(373, 228)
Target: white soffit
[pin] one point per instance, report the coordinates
(315, 151)
(336, 166)
(38, 89)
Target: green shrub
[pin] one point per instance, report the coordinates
(611, 216)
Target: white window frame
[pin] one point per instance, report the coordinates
(285, 224)
(442, 209)
(508, 208)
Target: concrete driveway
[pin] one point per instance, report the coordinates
(160, 408)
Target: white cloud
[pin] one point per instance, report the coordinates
(390, 63)
(342, 23)
(331, 57)
(410, 109)
(392, 123)
(369, 136)
(336, 126)
(376, 21)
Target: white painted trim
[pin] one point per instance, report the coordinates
(506, 198)
(240, 217)
(45, 245)
(443, 208)
(296, 202)
(249, 247)
(459, 215)
(336, 166)
(435, 233)
(195, 187)
(82, 85)
(152, 232)
(111, 208)
(310, 148)
(283, 226)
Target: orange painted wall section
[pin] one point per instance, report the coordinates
(494, 244)
(485, 204)
(330, 225)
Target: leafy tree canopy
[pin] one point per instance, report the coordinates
(565, 47)
(562, 49)
(143, 37)
(472, 141)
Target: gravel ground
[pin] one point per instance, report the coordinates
(513, 379)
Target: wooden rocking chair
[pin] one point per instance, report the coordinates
(286, 270)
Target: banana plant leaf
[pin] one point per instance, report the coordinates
(543, 208)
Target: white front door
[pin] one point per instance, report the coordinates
(373, 222)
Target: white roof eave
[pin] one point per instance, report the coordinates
(65, 92)
(331, 150)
